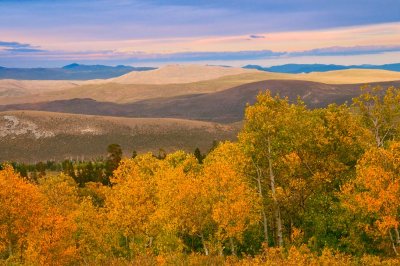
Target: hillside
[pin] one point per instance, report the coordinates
(33, 136)
(125, 93)
(176, 74)
(173, 74)
(351, 76)
(14, 92)
(15, 88)
(222, 106)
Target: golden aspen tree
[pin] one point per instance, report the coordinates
(54, 242)
(328, 144)
(374, 195)
(270, 132)
(21, 210)
(235, 204)
(380, 111)
(180, 206)
(131, 203)
(93, 235)
(61, 192)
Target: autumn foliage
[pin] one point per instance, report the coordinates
(299, 187)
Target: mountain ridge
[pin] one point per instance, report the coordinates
(307, 68)
(72, 71)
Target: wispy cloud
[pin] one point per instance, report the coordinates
(17, 47)
(258, 54)
(292, 41)
(24, 50)
(254, 36)
(340, 42)
(141, 56)
(204, 56)
(112, 20)
(14, 44)
(343, 51)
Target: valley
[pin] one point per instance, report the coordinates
(170, 108)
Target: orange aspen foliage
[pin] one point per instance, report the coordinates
(235, 204)
(131, 202)
(21, 205)
(54, 242)
(375, 193)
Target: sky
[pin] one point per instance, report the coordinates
(53, 33)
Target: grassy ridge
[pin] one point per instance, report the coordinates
(88, 136)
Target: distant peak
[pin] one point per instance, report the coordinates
(73, 65)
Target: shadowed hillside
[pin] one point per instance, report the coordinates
(224, 106)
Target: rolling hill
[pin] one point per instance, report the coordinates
(177, 107)
(224, 106)
(351, 76)
(15, 92)
(122, 93)
(175, 74)
(32, 136)
(15, 88)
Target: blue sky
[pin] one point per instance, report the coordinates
(53, 33)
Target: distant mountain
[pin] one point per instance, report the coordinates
(307, 68)
(69, 72)
(391, 67)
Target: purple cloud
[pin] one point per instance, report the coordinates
(352, 50)
(14, 45)
(253, 36)
(203, 56)
(25, 50)
(262, 54)
(17, 47)
(16, 52)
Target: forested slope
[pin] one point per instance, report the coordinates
(300, 186)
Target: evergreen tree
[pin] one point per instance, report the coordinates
(113, 158)
(198, 155)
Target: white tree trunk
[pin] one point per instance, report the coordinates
(277, 212)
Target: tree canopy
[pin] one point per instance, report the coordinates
(299, 187)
